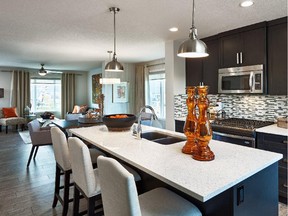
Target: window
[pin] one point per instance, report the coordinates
(157, 93)
(45, 95)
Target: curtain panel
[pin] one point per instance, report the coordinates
(68, 93)
(20, 91)
(139, 88)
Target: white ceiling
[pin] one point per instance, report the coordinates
(76, 34)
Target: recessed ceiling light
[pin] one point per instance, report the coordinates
(247, 3)
(173, 29)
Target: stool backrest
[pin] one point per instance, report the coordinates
(82, 169)
(118, 188)
(60, 146)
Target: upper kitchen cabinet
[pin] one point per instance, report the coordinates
(277, 57)
(243, 46)
(204, 69)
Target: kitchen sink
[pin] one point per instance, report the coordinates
(161, 138)
(153, 135)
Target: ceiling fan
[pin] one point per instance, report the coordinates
(44, 72)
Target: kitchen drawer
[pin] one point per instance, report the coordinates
(283, 184)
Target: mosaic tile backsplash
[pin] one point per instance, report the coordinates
(258, 107)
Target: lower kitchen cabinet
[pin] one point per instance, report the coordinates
(277, 143)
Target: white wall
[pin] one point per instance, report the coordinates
(5, 82)
(127, 76)
(175, 79)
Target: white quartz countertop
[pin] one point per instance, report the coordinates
(201, 180)
(273, 129)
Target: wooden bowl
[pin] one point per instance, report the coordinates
(119, 124)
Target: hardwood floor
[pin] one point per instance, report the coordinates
(30, 191)
(27, 191)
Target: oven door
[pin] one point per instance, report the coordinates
(234, 139)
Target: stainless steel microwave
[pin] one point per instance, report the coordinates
(246, 79)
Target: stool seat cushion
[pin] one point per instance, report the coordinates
(162, 202)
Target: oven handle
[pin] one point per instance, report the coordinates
(235, 136)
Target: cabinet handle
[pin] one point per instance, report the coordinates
(285, 185)
(241, 58)
(285, 141)
(285, 160)
(237, 58)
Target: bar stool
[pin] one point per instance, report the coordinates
(119, 195)
(63, 167)
(86, 178)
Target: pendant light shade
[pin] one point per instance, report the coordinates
(42, 71)
(193, 47)
(114, 65)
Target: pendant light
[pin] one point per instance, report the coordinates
(107, 79)
(193, 47)
(42, 71)
(114, 65)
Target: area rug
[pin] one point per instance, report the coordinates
(25, 136)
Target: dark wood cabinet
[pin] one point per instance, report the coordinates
(277, 143)
(179, 126)
(204, 69)
(277, 57)
(244, 46)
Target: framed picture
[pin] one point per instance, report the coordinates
(96, 88)
(120, 92)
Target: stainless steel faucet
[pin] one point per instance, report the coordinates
(139, 128)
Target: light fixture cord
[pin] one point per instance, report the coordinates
(114, 33)
(193, 11)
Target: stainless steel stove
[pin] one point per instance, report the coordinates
(237, 131)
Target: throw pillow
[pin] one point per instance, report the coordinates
(9, 112)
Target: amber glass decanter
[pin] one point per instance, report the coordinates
(191, 121)
(203, 130)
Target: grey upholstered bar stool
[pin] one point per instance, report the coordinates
(119, 195)
(63, 167)
(86, 178)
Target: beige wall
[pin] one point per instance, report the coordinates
(5, 82)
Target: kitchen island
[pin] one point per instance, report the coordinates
(240, 181)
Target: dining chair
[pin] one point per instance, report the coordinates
(39, 137)
(63, 167)
(119, 195)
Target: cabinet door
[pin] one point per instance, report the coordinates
(229, 47)
(193, 71)
(254, 47)
(210, 66)
(277, 59)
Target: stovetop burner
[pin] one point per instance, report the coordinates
(243, 127)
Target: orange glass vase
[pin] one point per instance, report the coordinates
(191, 121)
(203, 130)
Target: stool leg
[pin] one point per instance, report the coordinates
(91, 205)
(6, 129)
(57, 186)
(76, 201)
(66, 192)
(16, 127)
(0, 128)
